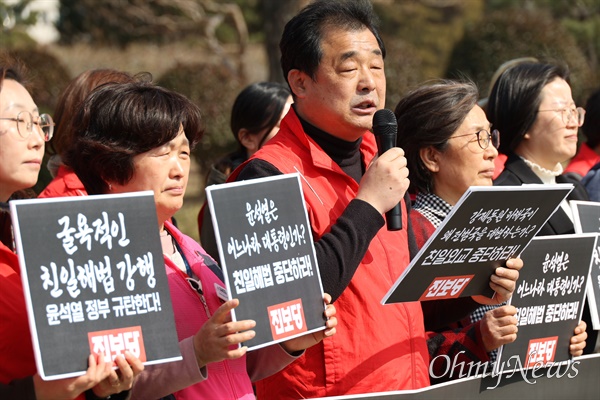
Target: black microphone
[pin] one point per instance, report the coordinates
(385, 128)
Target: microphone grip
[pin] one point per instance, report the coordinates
(394, 218)
(385, 129)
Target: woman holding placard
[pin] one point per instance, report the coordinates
(23, 133)
(532, 105)
(137, 136)
(450, 146)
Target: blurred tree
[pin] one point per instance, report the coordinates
(275, 15)
(119, 23)
(430, 27)
(513, 33)
(403, 69)
(213, 88)
(580, 18)
(583, 22)
(16, 18)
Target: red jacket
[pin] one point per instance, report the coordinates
(461, 342)
(377, 347)
(66, 183)
(583, 161)
(16, 350)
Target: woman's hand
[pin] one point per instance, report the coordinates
(122, 378)
(70, 388)
(503, 282)
(578, 339)
(219, 337)
(499, 327)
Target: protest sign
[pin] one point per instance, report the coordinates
(549, 300)
(586, 215)
(268, 256)
(94, 279)
(486, 227)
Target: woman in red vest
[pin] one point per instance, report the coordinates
(23, 133)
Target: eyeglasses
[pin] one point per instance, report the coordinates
(25, 122)
(567, 113)
(484, 138)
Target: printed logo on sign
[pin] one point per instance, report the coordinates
(287, 319)
(115, 342)
(541, 351)
(446, 287)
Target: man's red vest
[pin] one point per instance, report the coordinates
(377, 347)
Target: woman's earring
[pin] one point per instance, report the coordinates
(110, 187)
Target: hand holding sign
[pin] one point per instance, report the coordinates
(121, 379)
(499, 327)
(215, 339)
(69, 388)
(503, 282)
(578, 340)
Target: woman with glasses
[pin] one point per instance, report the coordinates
(450, 146)
(23, 133)
(532, 105)
(136, 136)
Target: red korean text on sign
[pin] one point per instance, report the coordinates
(446, 287)
(541, 351)
(287, 319)
(114, 342)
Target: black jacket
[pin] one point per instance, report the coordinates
(516, 173)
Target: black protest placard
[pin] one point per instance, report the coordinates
(486, 227)
(94, 278)
(587, 220)
(549, 300)
(268, 257)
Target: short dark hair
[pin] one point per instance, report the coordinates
(515, 99)
(120, 121)
(300, 43)
(74, 94)
(591, 124)
(258, 107)
(428, 116)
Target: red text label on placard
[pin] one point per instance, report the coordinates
(541, 351)
(446, 287)
(287, 319)
(114, 342)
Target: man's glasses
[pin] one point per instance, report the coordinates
(577, 114)
(484, 138)
(25, 122)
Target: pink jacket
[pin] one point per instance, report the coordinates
(229, 379)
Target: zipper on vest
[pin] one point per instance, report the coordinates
(197, 286)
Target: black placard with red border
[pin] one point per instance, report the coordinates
(549, 299)
(268, 257)
(94, 279)
(487, 226)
